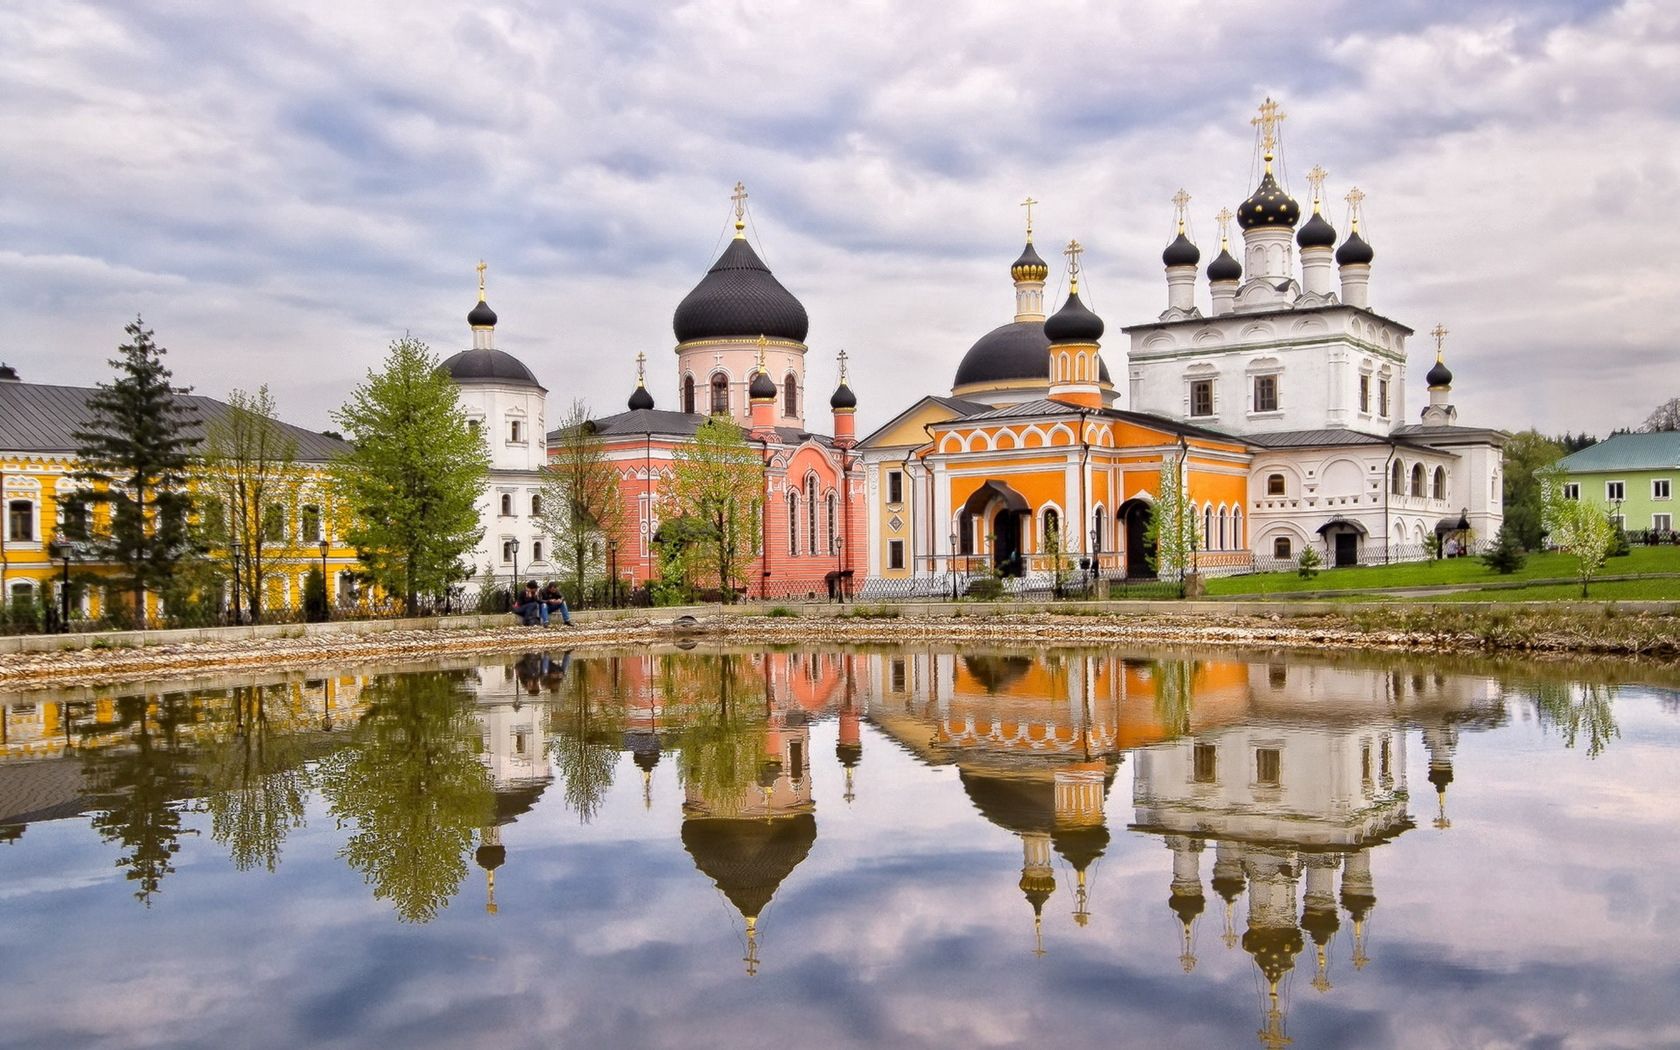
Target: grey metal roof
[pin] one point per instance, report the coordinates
(1333, 437)
(1444, 433)
(1659, 451)
(36, 417)
(1047, 407)
(675, 424)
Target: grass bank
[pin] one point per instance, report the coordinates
(1469, 572)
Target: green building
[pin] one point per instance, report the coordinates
(1633, 475)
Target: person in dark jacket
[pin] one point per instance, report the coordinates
(529, 607)
(555, 602)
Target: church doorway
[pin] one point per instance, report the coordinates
(1135, 515)
(1006, 543)
(1347, 549)
(995, 503)
(1341, 536)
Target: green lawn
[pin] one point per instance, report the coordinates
(1448, 571)
(1623, 590)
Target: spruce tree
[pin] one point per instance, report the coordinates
(413, 475)
(134, 456)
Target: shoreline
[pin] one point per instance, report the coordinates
(1545, 632)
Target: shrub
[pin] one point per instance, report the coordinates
(1309, 562)
(315, 596)
(1506, 555)
(781, 610)
(1619, 547)
(986, 588)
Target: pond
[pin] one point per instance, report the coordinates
(847, 847)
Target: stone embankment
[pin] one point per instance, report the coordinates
(1648, 633)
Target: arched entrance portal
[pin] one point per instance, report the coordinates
(1001, 508)
(1135, 515)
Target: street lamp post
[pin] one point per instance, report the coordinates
(612, 573)
(1096, 542)
(62, 548)
(953, 566)
(326, 599)
(513, 582)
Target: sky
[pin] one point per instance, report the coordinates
(282, 189)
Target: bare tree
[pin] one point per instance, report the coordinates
(1665, 416)
(581, 509)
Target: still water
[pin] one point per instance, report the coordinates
(870, 847)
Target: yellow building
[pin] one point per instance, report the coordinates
(1027, 467)
(38, 424)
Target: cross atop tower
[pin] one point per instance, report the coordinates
(1224, 220)
(740, 199)
(1181, 203)
(1440, 334)
(1355, 197)
(1268, 122)
(1315, 179)
(481, 268)
(641, 368)
(763, 343)
(1073, 251)
(1028, 204)
(842, 357)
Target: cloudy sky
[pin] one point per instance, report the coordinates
(282, 189)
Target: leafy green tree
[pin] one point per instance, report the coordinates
(581, 507)
(681, 542)
(722, 738)
(1172, 531)
(1576, 710)
(1506, 555)
(1579, 527)
(718, 479)
(1526, 453)
(1174, 682)
(587, 730)
(413, 475)
(256, 778)
(134, 457)
(411, 783)
(250, 488)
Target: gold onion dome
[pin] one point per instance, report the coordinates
(1268, 205)
(1029, 267)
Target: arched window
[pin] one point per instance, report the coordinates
(720, 395)
(1281, 548)
(536, 550)
(790, 396)
(1224, 520)
(811, 515)
(1440, 491)
(20, 515)
(1052, 526)
(1274, 485)
(965, 533)
(1097, 535)
(1207, 527)
(688, 394)
(1417, 480)
(536, 505)
(1397, 479)
(833, 523)
(793, 523)
(507, 505)
(1237, 542)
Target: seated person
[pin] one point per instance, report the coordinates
(529, 607)
(554, 601)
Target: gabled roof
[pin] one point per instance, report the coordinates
(675, 424)
(1286, 311)
(1451, 434)
(1041, 407)
(958, 407)
(1334, 437)
(36, 417)
(1658, 451)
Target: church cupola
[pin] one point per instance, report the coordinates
(640, 399)
(1029, 273)
(1180, 259)
(1316, 239)
(481, 317)
(762, 395)
(1269, 214)
(843, 403)
(1440, 410)
(1224, 271)
(1074, 331)
(1355, 255)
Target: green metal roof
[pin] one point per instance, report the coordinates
(1660, 451)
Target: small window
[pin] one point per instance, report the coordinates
(507, 505)
(1201, 397)
(1274, 485)
(688, 394)
(790, 396)
(897, 675)
(1365, 394)
(1268, 766)
(1439, 489)
(1572, 490)
(473, 425)
(20, 515)
(274, 523)
(1417, 480)
(811, 546)
(1365, 763)
(1052, 527)
(1661, 522)
(793, 523)
(312, 525)
(507, 551)
(1204, 763)
(720, 395)
(515, 431)
(1660, 488)
(536, 506)
(833, 523)
(1615, 490)
(1385, 760)
(1382, 397)
(895, 486)
(1397, 479)
(1277, 675)
(1265, 394)
(895, 554)
(536, 550)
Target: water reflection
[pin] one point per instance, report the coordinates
(1274, 789)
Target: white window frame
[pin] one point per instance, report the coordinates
(1572, 490)
(1254, 379)
(1212, 404)
(1666, 491)
(1615, 490)
(1662, 523)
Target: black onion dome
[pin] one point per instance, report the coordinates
(1181, 253)
(1354, 250)
(1018, 350)
(849, 754)
(489, 366)
(1029, 267)
(748, 859)
(1268, 205)
(843, 398)
(1073, 323)
(1317, 233)
(1186, 906)
(481, 316)
(763, 388)
(1274, 949)
(1080, 846)
(640, 398)
(491, 857)
(1224, 267)
(740, 298)
(1439, 374)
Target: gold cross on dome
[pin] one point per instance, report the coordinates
(641, 367)
(1029, 204)
(1224, 220)
(1181, 202)
(1355, 197)
(1073, 251)
(763, 343)
(740, 199)
(1315, 179)
(842, 357)
(1267, 122)
(1440, 334)
(481, 268)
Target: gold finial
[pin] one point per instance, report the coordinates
(1038, 936)
(1268, 122)
(751, 958)
(740, 199)
(641, 368)
(842, 367)
(1224, 219)
(1355, 197)
(763, 343)
(1315, 178)
(481, 268)
(1028, 204)
(1181, 201)
(1073, 251)
(1440, 334)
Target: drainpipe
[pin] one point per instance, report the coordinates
(904, 465)
(1387, 487)
(1182, 511)
(764, 523)
(1084, 464)
(647, 468)
(927, 428)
